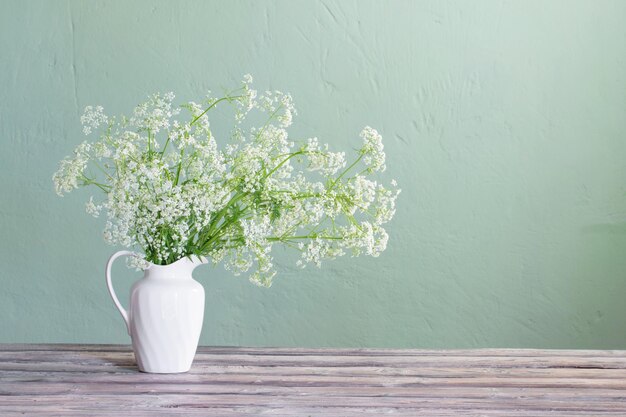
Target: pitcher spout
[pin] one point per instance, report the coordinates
(181, 268)
(196, 261)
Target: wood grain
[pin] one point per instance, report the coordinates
(102, 380)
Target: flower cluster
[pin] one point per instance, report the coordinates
(170, 190)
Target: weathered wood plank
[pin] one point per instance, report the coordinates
(204, 373)
(569, 395)
(428, 360)
(228, 350)
(329, 411)
(151, 401)
(102, 380)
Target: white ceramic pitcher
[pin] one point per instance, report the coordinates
(165, 314)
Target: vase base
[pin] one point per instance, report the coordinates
(164, 371)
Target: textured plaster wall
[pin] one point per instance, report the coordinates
(505, 125)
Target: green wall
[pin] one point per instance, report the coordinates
(504, 122)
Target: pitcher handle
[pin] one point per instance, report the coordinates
(110, 285)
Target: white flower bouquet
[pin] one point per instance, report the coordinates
(170, 190)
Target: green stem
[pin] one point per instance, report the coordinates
(213, 105)
(214, 229)
(267, 122)
(165, 146)
(180, 165)
(102, 169)
(284, 161)
(89, 181)
(345, 172)
(313, 236)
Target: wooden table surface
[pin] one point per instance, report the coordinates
(102, 380)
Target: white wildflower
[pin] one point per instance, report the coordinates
(93, 118)
(92, 209)
(171, 191)
(372, 149)
(137, 262)
(327, 163)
